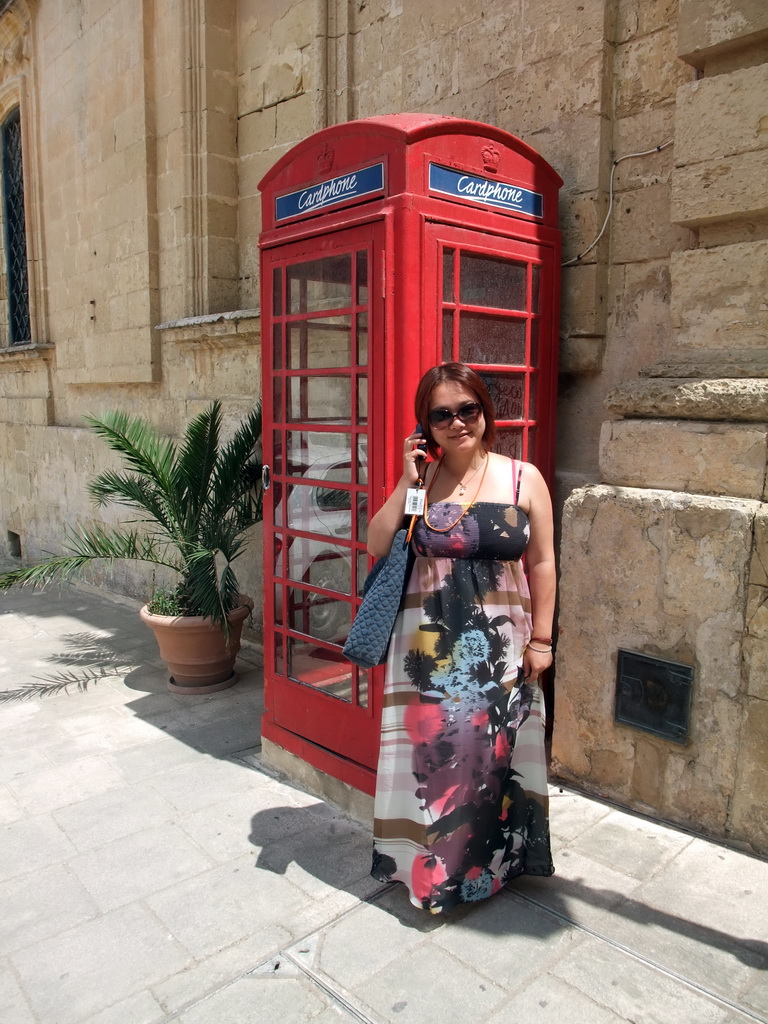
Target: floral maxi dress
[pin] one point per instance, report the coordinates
(461, 795)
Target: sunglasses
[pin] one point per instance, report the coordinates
(469, 413)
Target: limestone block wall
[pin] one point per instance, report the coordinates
(284, 50)
(97, 167)
(131, 186)
(678, 594)
(677, 576)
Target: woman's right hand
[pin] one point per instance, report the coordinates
(389, 518)
(413, 458)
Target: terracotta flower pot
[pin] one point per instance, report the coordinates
(195, 650)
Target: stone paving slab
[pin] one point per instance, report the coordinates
(151, 873)
(72, 975)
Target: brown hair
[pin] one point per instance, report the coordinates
(453, 373)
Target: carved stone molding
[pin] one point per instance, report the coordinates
(15, 23)
(740, 400)
(711, 365)
(337, 62)
(726, 385)
(210, 128)
(239, 326)
(194, 199)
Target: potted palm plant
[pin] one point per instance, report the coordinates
(193, 500)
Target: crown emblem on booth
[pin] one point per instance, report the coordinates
(491, 157)
(325, 159)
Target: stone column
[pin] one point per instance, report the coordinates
(668, 557)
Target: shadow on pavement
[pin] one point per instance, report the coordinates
(336, 851)
(71, 643)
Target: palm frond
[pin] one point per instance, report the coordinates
(89, 545)
(197, 459)
(137, 493)
(61, 567)
(139, 445)
(231, 480)
(201, 586)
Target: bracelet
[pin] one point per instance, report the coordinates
(542, 640)
(539, 650)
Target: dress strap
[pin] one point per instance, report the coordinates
(517, 468)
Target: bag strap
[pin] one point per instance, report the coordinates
(518, 468)
(409, 534)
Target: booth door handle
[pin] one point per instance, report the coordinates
(266, 477)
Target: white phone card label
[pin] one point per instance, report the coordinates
(414, 501)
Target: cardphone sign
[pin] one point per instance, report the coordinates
(450, 182)
(365, 183)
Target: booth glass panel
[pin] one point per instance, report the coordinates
(361, 281)
(362, 520)
(362, 570)
(362, 688)
(315, 453)
(448, 275)
(319, 284)
(279, 658)
(277, 291)
(319, 343)
(277, 346)
(321, 667)
(448, 335)
(362, 458)
(320, 508)
(509, 442)
(362, 338)
(508, 394)
(331, 500)
(532, 401)
(484, 338)
(278, 452)
(536, 288)
(319, 399)
(534, 357)
(532, 448)
(492, 282)
(318, 614)
(277, 492)
(277, 398)
(319, 564)
(362, 400)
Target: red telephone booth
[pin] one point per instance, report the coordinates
(389, 245)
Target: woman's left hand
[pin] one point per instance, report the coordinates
(534, 663)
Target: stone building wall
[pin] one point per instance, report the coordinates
(147, 128)
(684, 474)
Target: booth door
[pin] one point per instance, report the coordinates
(496, 302)
(318, 404)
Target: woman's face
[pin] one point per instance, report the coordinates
(456, 435)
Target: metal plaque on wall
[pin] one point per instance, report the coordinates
(654, 695)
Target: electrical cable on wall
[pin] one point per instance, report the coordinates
(627, 156)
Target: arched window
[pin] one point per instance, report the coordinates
(19, 327)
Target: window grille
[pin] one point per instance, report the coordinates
(15, 232)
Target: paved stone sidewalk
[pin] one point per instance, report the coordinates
(152, 871)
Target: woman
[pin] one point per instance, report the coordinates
(461, 798)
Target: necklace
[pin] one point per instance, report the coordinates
(463, 486)
(445, 529)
